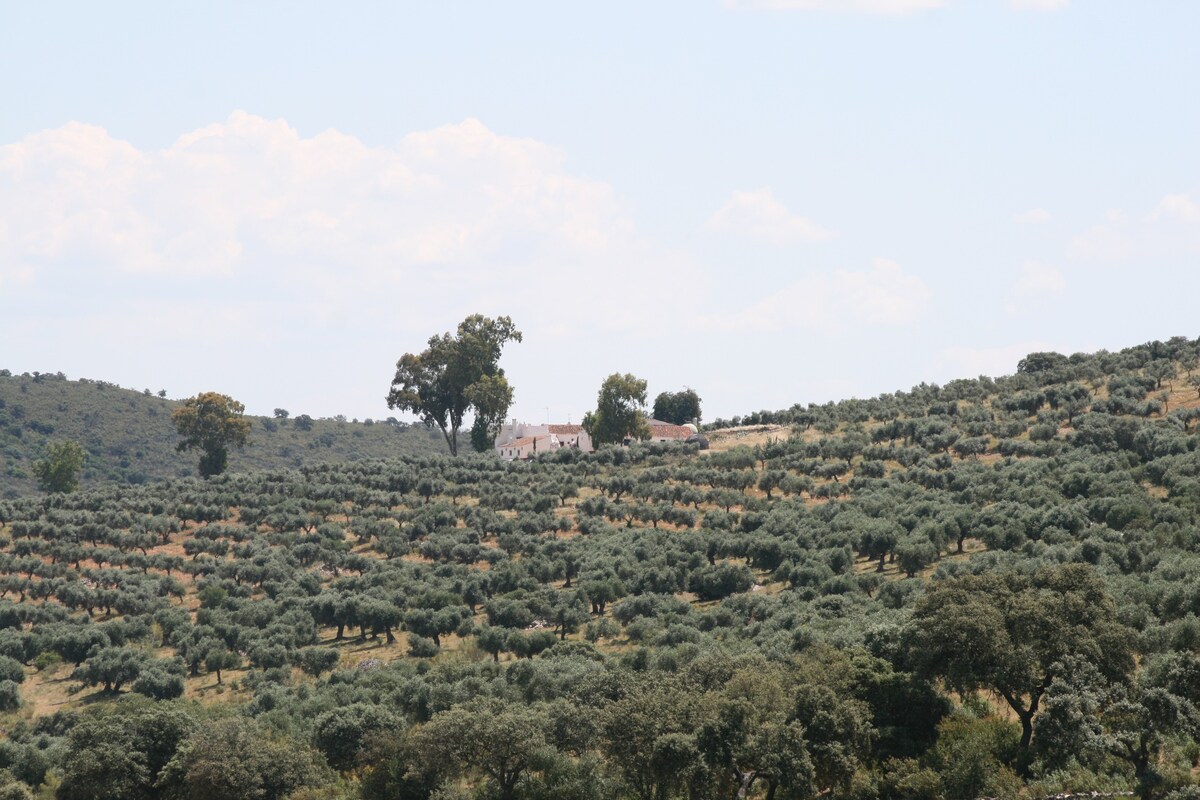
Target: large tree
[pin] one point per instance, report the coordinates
(211, 422)
(59, 470)
(1010, 634)
(233, 759)
(618, 415)
(500, 740)
(678, 408)
(120, 754)
(458, 373)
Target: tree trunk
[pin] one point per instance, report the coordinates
(1026, 730)
(745, 781)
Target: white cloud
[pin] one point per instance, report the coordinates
(460, 209)
(1170, 229)
(1039, 5)
(1103, 243)
(247, 257)
(758, 215)
(1034, 216)
(1177, 206)
(883, 296)
(1039, 280)
(845, 6)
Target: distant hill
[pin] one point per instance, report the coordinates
(129, 437)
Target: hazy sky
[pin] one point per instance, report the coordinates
(770, 201)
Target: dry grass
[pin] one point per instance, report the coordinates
(744, 436)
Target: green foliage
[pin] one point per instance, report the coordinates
(618, 415)
(721, 580)
(163, 681)
(59, 470)
(11, 670)
(678, 408)
(212, 423)
(128, 437)
(1056, 572)
(233, 759)
(342, 733)
(1010, 634)
(502, 741)
(121, 753)
(15, 791)
(10, 695)
(317, 660)
(972, 756)
(458, 373)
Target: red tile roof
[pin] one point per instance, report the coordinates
(565, 429)
(670, 431)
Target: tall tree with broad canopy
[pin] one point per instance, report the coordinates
(211, 422)
(502, 741)
(1010, 634)
(458, 373)
(618, 415)
(678, 408)
(59, 470)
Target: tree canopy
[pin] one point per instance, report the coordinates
(678, 408)
(458, 373)
(1011, 634)
(211, 422)
(58, 470)
(619, 411)
(862, 610)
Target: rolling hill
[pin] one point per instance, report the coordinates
(983, 589)
(129, 437)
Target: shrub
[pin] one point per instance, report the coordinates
(160, 683)
(316, 660)
(422, 647)
(10, 696)
(720, 580)
(11, 670)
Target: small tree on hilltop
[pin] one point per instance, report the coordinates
(212, 423)
(458, 373)
(59, 470)
(618, 415)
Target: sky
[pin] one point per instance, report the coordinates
(769, 201)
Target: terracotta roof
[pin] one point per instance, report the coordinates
(671, 431)
(568, 429)
(522, 441)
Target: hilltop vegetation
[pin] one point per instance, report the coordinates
(129, 437)
(987, 588)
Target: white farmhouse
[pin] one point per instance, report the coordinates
(518, 440)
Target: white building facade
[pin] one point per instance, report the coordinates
(520, 440)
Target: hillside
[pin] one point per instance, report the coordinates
(129, 437)
(983, 589)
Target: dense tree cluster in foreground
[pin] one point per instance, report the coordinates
(984, 589)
